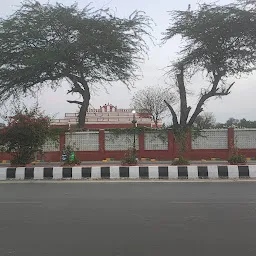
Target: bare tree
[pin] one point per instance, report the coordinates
(151, 101)
(205, 121)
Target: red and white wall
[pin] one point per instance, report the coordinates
(99, 145)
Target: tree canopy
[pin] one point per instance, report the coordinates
(218, 40)
(233, 122)
(45, 44)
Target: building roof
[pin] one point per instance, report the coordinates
(107, 115)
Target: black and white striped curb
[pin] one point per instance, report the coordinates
(130, 172)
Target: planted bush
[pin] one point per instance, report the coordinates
(130, 157)
(70, 156)
(25, 134)
(236, 157)
(180, 161)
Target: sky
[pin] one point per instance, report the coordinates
(239, 104)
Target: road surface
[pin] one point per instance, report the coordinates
(128, 219)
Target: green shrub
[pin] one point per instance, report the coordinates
(71, 158)
(130, 157)
(74, 161)
(25, 134)
(180, 161)
(237, 159)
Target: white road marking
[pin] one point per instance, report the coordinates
(19, 202)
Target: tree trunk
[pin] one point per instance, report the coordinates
(82, 115)
(184, 109)
(181, 135)
(84, 107)
(80, 86)
(155, 120)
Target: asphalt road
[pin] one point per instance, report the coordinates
(114, 219)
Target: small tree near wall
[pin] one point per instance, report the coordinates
(26, 133)
(151, 101)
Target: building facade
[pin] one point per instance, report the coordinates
(107, 116)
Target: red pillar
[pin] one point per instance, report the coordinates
(231, 140)
(62, 143)
(102, 143)
(141, 145)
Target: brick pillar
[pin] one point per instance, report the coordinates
(102, 144)
(62, 143)
(141, 145)
(231, 140)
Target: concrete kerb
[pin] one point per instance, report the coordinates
(234, 172)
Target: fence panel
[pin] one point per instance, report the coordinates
(120, 142)
(155, 141)
(83, 141)
(211, 139)
(245, 138)
(51, 146)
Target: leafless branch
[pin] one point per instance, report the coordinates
(174, 116)
(75, 102)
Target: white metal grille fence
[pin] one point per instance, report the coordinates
(83, 141)
(155, 141)
(245, 138)
(120, 142)
(211, 139)
(51, 146)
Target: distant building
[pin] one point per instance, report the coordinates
(107, 116)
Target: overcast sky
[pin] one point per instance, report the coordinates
(240, 103)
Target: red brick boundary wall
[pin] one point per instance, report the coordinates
(194, 152)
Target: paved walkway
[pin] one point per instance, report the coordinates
(141, 163)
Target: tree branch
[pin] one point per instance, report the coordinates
(75, 102)
(76, 87)
(212, 93)
(174, 116)
(204, 97)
